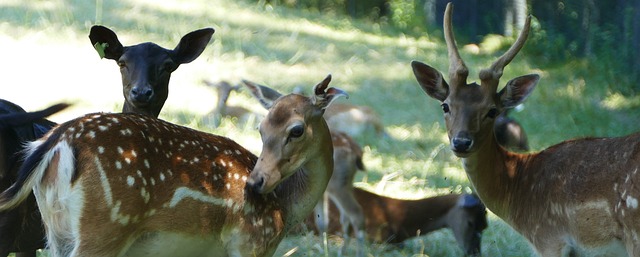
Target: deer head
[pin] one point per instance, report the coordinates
(287, 129)
(470, 109)
(147, 67)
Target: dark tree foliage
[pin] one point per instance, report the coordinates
(604, 33)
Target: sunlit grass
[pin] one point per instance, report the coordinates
(47, 58)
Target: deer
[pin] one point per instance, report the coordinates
(146, 68)
(132, 185)
(223, 90)
(576, 198)
(20, 228)
(392, 220)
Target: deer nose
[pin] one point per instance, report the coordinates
(255, 183)
(141, 94)
(462, 142)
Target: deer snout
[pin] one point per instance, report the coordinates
(141, 94)
(461, 142)
(256, 182)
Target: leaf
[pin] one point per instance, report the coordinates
(100, 48)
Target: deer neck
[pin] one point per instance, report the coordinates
(495, 174)
(149, 111)
(299, 193)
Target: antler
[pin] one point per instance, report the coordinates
(458, 71)
(491, 76)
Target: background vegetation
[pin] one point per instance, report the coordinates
(47, 58)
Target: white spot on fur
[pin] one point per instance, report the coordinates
(100, 149)
(632, 202)
(146, 164)
(120, 150)
(118, 165)
(161, 176)
(103, 128)
(130, 181)
(182, 193)
(104, 181)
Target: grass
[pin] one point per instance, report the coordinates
(47, 58)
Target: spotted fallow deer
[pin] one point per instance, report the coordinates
(20, 228)
(576, 198)
(146, 68)
(132, 185)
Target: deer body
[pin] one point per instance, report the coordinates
(131, 185)
(577, 198)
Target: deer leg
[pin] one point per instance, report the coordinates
(351, 214)
(321, 217)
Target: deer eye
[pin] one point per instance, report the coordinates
(493, 112)
(296, 131)
(445, 108)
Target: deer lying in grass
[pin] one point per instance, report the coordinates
(131, 185)
(577, 198)
(146, 68)
(389, 220)
(392, 220)
(223, 90)
(20, 228)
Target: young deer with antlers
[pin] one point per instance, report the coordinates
(146, 68)
(131, 185)
(576, 198)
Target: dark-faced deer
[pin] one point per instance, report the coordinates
(576, 198)
(147, 67)
(20, 228)
(392, 220)
(223, 90)
(132, 185)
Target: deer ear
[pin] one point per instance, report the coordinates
(192, 45)
(323, 96)
(105, 42)
(430, 80)
(266, 96)
(517, 90)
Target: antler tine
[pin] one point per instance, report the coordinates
(495, 71)
(458, 71)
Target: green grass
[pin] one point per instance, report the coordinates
(49, 59)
